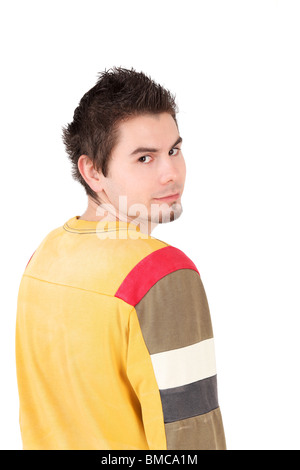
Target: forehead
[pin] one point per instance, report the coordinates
(153, 130)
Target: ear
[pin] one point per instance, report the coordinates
(90, 175)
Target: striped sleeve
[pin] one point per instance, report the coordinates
(173, 314)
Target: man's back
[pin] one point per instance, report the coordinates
(114, 344)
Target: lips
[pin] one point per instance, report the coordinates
(169, 196)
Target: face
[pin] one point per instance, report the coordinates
(146, 172)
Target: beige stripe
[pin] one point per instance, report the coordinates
(185, 365)
(175, 313)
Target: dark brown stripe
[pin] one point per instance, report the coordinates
(189, 400)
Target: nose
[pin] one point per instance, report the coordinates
(168, 170)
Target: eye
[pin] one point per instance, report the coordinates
(176, 149)
(144, 156)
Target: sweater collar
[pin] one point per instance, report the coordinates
(77, 225)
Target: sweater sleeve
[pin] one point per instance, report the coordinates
(174, 320)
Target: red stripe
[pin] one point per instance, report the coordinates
(150, 270)
(29, 259)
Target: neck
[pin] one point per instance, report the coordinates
(103, 212)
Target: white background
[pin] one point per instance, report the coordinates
(234, 67)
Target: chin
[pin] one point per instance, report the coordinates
(165, 216)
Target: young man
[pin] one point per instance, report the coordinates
(114, 342)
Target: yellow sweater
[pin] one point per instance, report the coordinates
(114, 344)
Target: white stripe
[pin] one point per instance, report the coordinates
(185, 365)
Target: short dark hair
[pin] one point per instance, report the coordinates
(118, 94)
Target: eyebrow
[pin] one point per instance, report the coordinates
(153, 150)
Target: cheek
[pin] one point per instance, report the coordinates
(117, 181)
(136, 189)
(139, 192)
(182, 170)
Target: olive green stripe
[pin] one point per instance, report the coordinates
(175, 313)
(204, 432)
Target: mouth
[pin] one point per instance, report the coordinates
(170, 197)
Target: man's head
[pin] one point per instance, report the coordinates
(124, 141)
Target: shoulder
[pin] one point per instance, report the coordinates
(169, 299)
(156, 266)
(44, 244)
